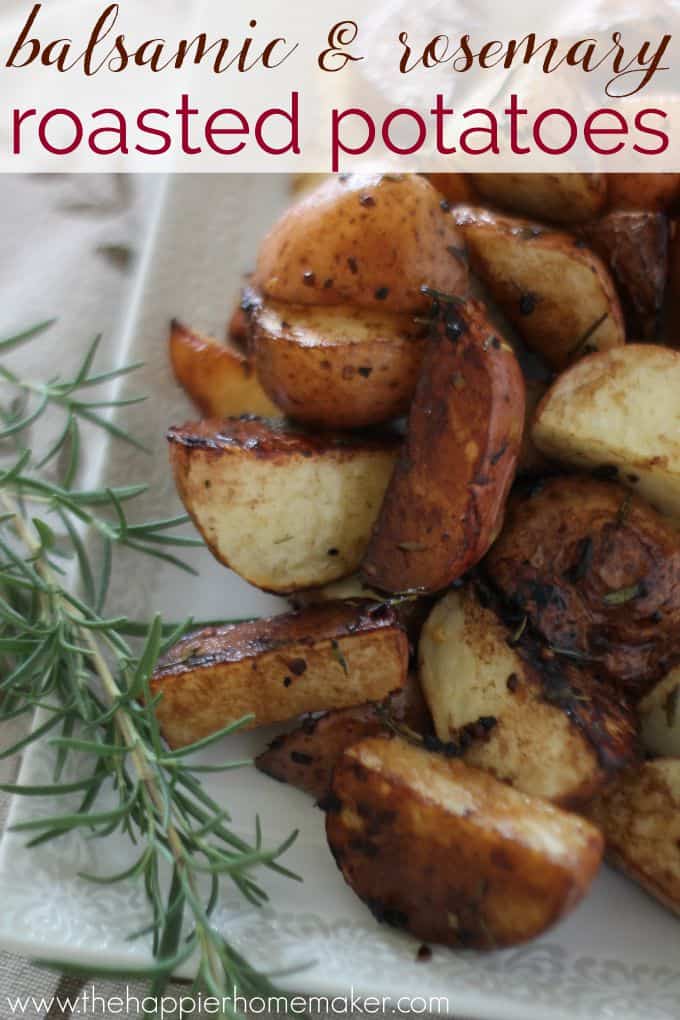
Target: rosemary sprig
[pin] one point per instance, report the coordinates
(61, 653)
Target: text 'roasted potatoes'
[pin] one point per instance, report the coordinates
(284, 509)
(323, 657)
(534, 720)
(449, 853)
(445, 502)
(597, 572)
(620, 411)
(557, 293)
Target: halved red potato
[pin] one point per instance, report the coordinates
(445, 502)
(323, 657)
(284, 509)
(219, 379)
(369, 241)
(558, 294)
(339, 367)
(449, 853)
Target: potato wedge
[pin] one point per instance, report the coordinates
(597, 572)
(561, 198)
(445, 502)
(620, 410)
(323, 657)
(411, 612)
(531, 461)
(449, 853)
(659, 713)
(557, 293)
(634, 245)
(544, 726)
(217, 377)
(640, 819)
(344, 367)
(642, 191)
(285, 510)
(370, 241)
(306, 757)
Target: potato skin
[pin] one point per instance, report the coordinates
(218, 378)
(531, 718)
(284, 509)
(445, 502)
(561, 198)
(306, 757)
(344, 367)
(640, 819)
(597, 572)
(619, 409)
(558, 294)
(454, 187)
(329, 656)
(634, 245)
(369, 241)
(448, 852)
(650, 192)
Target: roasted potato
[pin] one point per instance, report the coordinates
(306, 757)
(562, 198)
(634, 245)
(218, 378)
(368, 241)
(537, 722)
(453, 187)
(531, 461)
(323, 657)
(659, 713)
(597, 572)
(344, 367)
(238, 329)
(285, 510)
(451, 854)
(619, 410)
(640, 819)
(557, 293)
(444, 504)
(411, 612)
(642, 191)
(670, 328)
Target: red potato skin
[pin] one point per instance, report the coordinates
(445, 503)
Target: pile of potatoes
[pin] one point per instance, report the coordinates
(446, 425)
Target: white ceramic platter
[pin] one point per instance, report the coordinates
(617, 956)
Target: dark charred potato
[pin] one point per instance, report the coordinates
(597, 572)
(561, 198)
(368, 241)
(306, 757)
(445, 502)
(284, 509)
(535, 721)
(449, 853)
(219, 379)
(559, 295)
(640, 819)
(330, 656)
(620, 409)
(341, 367)
(634, 245)
(642, 191)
